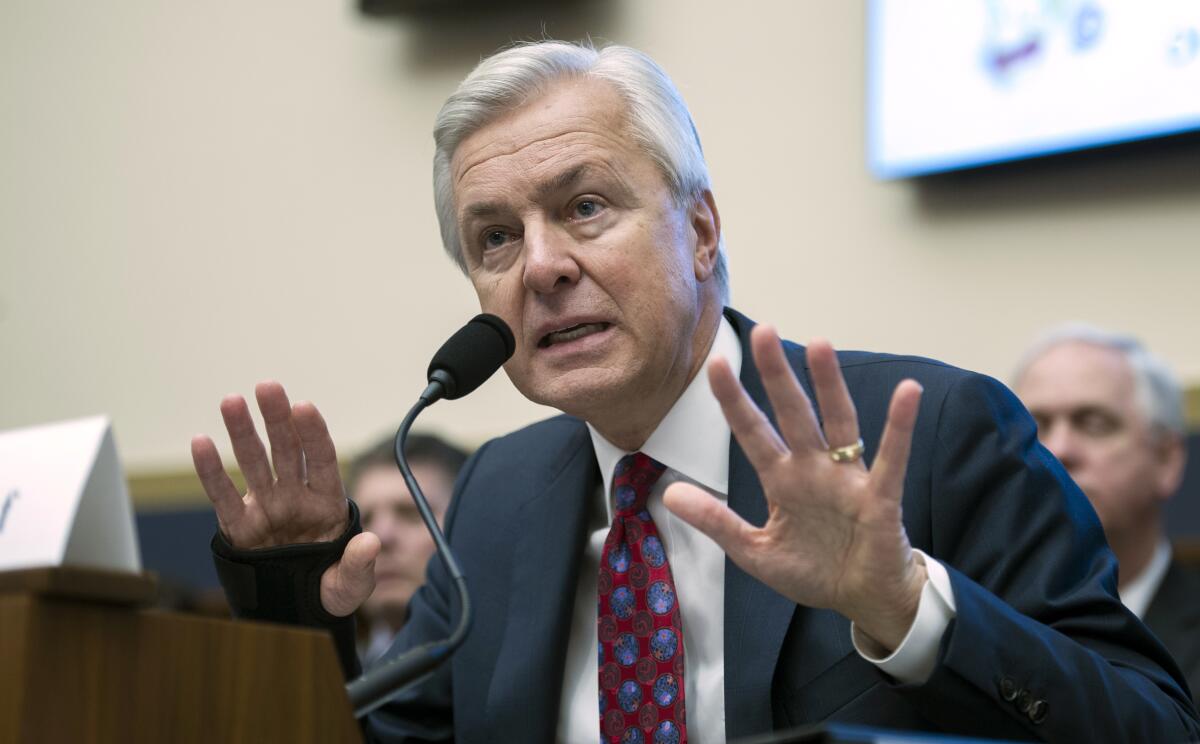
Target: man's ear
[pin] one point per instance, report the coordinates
(1172, 460)
(706, 224)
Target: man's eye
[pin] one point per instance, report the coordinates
(495, 238)
(1096, 423)
(586, 208)
(403, 511)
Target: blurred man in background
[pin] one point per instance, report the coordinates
(376, 485)
(1112, 413)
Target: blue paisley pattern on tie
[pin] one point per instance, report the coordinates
(640, 649)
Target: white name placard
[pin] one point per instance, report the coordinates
(63, 498)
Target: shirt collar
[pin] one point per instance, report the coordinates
(693, 438)
(1138, 593)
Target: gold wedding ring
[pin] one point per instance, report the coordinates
(849, 453)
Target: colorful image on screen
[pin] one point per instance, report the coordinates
(960, 83)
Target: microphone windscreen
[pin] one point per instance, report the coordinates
(473, 354)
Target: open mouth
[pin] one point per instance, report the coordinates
(572, 333)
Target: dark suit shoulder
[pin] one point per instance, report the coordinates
(860, 364)
(871, 378)
(560, 428)
(849, 359)
(540, 446)
(868, 368)
(508, 470)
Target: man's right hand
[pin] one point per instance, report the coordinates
(301, 500)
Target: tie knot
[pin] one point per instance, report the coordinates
(633, 480)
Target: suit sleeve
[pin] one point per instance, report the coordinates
(1040, 646)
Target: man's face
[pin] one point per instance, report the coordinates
(1084, 399)
(571, 235)
(387, 510)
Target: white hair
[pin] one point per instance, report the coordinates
(1158, 392)
(658, 119)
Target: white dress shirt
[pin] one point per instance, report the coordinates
(693, 442)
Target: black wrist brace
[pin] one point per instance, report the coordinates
(283, 584)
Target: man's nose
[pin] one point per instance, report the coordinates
(550, 261)
(1060, 440)
(385, 528)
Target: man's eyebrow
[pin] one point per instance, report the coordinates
(1091, 409)
(564, 180)
(483, 209)
(560, 182)
(1076, 411)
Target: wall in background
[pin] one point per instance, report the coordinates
(198, 196)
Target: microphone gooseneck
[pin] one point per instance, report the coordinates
(465, 361)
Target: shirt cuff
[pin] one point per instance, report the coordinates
(914, 659)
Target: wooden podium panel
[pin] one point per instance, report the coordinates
(76, 669)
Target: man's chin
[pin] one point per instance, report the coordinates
(579, 392)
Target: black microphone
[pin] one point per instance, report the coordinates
(470, 356)
(465, 361)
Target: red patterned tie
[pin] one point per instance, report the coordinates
(641, 636)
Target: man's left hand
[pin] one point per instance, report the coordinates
(834, 537)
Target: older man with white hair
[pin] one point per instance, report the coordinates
(694, 551)
(1112, 413)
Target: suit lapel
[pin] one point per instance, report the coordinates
(1172, 614)
(523, 698)
(756, 617)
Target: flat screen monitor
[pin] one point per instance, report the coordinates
(960, 83)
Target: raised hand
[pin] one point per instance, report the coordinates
(834, 537)
(300, 500)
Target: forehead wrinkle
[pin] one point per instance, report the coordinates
(533, 147)
(555, 113)
(581, 162)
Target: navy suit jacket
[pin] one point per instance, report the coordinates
(1040, 647)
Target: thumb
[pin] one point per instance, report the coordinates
(347, 583)
(702, 510)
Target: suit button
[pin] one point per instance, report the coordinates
(1008, 689)
(1024, 701)
(1037, 711)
